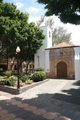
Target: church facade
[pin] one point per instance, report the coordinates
(60, 61)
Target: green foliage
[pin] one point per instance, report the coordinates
(1, 77)
(39, 69)
(8, 73)
(16, 31)
(24, 78)
(29, 81)
(12, 81)
(14, 77)
(29, 76)
(47, 20)
(21, 84)
(66, 10)
(38, 76)
(2, 80)
(7, 82)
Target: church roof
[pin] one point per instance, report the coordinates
(63, 45)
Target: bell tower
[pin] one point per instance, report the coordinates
(41, 55)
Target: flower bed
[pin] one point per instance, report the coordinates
(9, 82)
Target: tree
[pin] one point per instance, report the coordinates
(58, 34)
(67, 10)
(49, 22)
(1, 1)
(40, 21)
(16, 31)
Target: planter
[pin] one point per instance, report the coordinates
(16, 91)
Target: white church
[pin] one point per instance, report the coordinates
(60, 61)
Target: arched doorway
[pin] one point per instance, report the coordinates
(61, 70)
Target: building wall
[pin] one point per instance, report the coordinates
(77, 63)
(41, 58)
(61, 55)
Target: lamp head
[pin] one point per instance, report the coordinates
(18, 49)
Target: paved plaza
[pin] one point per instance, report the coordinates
(56, 99)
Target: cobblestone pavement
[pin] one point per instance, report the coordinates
(53, 100)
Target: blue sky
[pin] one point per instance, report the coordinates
(30, 6)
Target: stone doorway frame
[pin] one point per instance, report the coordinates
(65, 61)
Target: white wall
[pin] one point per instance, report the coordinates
(47, 63)
(43, 54)
(77, 63)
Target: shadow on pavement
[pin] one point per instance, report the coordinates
(77, 83)
(71, 95)
(42, 107)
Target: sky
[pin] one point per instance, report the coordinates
(30, 6)
(36, 10)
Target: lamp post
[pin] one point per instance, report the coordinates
(18, 51)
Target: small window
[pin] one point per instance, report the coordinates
(49, 34)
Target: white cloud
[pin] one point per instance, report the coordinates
(33, 10)
(19, 5)
(34, 19)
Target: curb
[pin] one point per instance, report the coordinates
(16, 91)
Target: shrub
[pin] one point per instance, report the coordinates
(38, 76)
(24, 78)
(12, 81)
(21, 84)
(1, 77)
(39, 69)
(29, 75)
(2, 80)
(8, 73)
(29, 81)
(7, 82)
(14, 77)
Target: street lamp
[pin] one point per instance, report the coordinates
(18, 51)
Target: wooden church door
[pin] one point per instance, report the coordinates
(61, 70)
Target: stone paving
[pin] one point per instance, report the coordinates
(41, 103)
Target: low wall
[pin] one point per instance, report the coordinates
(16, 91)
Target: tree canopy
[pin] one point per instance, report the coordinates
(16, 31)
(67, 10)
(60, 35)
